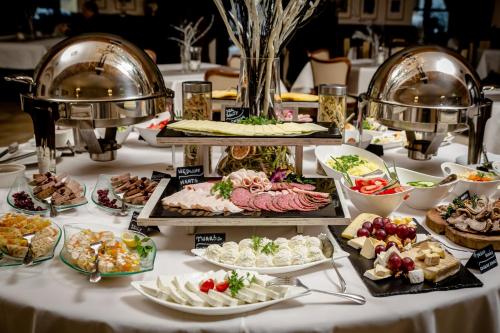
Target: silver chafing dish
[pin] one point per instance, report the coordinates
(87, 82)
(428, 91)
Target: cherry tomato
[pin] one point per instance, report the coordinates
(360, 182)
(222, 286)
(378, 181)
(206, 285)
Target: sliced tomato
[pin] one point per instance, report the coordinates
(206, 285)
(378, 181)
(369, 189)
(360, 182)
(222, 286)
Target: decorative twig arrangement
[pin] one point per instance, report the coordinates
(190, 35)
(261, 29)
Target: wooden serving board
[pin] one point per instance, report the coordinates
(473, 241)
(154, 213)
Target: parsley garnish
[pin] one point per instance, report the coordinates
(254, 120)
(143, 250)
(224, 188)
(270, 248)
(235, 283)
(256, 243)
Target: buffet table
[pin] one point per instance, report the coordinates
(50, 297)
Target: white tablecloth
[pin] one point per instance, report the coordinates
(50, 297)
(24, 54)
(489, 61)
(362, 71)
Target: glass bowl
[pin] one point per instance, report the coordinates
(70, 230)
(6, 259)
(104, 183)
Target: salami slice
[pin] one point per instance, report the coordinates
(260, 201)
(275, 205)
(240, 197)
(306, 187)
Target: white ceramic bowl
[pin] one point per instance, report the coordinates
(382, 205)
(121, 136)
(323, 154)
(424, 198)
(496, 166)
(9, 173)
(150, 134)
(489, 189)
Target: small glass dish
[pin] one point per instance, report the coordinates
(8, 259)
(73, 229)
(22, 185)
(104, 183)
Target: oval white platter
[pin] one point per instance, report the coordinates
(337, 254)
(149, 290)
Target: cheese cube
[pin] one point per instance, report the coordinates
(438, 250)
(357, 242)
(416, 276)
(431, 259)
(372, 276)
(421, 254)
(381, 271)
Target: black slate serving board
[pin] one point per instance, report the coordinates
(332, 210)
(400, 286)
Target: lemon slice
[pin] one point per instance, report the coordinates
(128, 239)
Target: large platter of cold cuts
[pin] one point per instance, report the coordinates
(247, 197)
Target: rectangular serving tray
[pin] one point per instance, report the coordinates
(175, 137)
(400, 286)
(154, 213)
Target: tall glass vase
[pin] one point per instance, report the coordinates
(259, 86)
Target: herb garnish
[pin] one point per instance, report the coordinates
(236, 283)
(224, 188)
(256, 243)
(270, 248)
(143, 250)
(293, 178)
(258, 120)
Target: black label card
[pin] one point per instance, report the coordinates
(483, 259)
(190, 174)
(235, 114)
(146, 230)
(157, 176)
(202, 241)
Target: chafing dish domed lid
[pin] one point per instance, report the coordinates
(97, 68)
(426, 77)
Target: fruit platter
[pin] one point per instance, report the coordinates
(246, 197)
(216, 293)
(396, 256)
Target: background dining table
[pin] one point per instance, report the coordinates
(24, 54)
(51, 297)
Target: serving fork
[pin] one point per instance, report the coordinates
(28, 258)
(343, 284)
(293, 281)
(95, 276)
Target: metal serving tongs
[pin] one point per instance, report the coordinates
(95, 276)
(29, 257)
(293, 281)
(487, 164)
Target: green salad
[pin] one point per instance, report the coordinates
(421, 184)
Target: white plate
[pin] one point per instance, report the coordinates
(323, 154)
(393, 142)
(148, 290)
(489, 189)
(337, 254)
(27, 161)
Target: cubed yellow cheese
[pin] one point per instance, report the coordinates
(421, 254)
(431, 259)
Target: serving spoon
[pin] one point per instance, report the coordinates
(95, 276)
